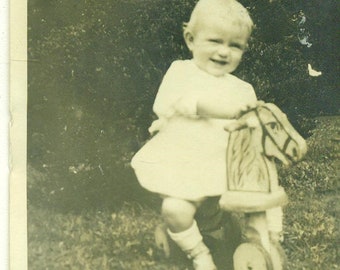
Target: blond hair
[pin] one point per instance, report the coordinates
(228, 10)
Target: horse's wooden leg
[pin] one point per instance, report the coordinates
(258, 252)
(257, 222)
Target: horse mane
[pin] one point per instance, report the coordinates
(246, 162)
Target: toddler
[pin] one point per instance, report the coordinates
(185, 161)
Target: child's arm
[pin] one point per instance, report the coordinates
(219, 108)
(216, 105)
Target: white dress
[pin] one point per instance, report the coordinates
(187, 157)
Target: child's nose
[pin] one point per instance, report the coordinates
(223, 50)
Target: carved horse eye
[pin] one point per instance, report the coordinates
(272, 125)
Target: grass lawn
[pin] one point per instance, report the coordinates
(123, 239)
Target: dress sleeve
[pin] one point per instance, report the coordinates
(173, 88)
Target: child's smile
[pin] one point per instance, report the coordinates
(219, 62)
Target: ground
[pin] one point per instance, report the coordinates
(123, 238)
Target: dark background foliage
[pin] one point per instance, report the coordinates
(95, 66)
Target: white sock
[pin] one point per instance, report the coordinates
(191, 242)
(188, 239)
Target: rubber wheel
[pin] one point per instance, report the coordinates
(251, 256)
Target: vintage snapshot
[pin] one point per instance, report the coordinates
(185, 134)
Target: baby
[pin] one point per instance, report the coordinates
(185, 161)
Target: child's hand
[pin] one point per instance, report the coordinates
(251, 122)
(252, 105)
(249, 106)
(259, 103)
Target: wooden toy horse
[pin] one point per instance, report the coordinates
(256, 139)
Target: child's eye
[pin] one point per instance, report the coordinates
(237, 46)
(213, 40)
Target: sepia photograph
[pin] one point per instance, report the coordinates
(175, 135)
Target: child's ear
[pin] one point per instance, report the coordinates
(189, 38)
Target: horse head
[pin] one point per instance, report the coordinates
(256, 138)
(280, 139)
(275, 134)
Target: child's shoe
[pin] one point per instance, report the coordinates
(201, 258)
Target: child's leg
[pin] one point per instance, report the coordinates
(182, 229)
(178, 214)
(275, 223)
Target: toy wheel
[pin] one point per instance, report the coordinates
(250, 256)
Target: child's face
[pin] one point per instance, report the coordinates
(217, 46)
